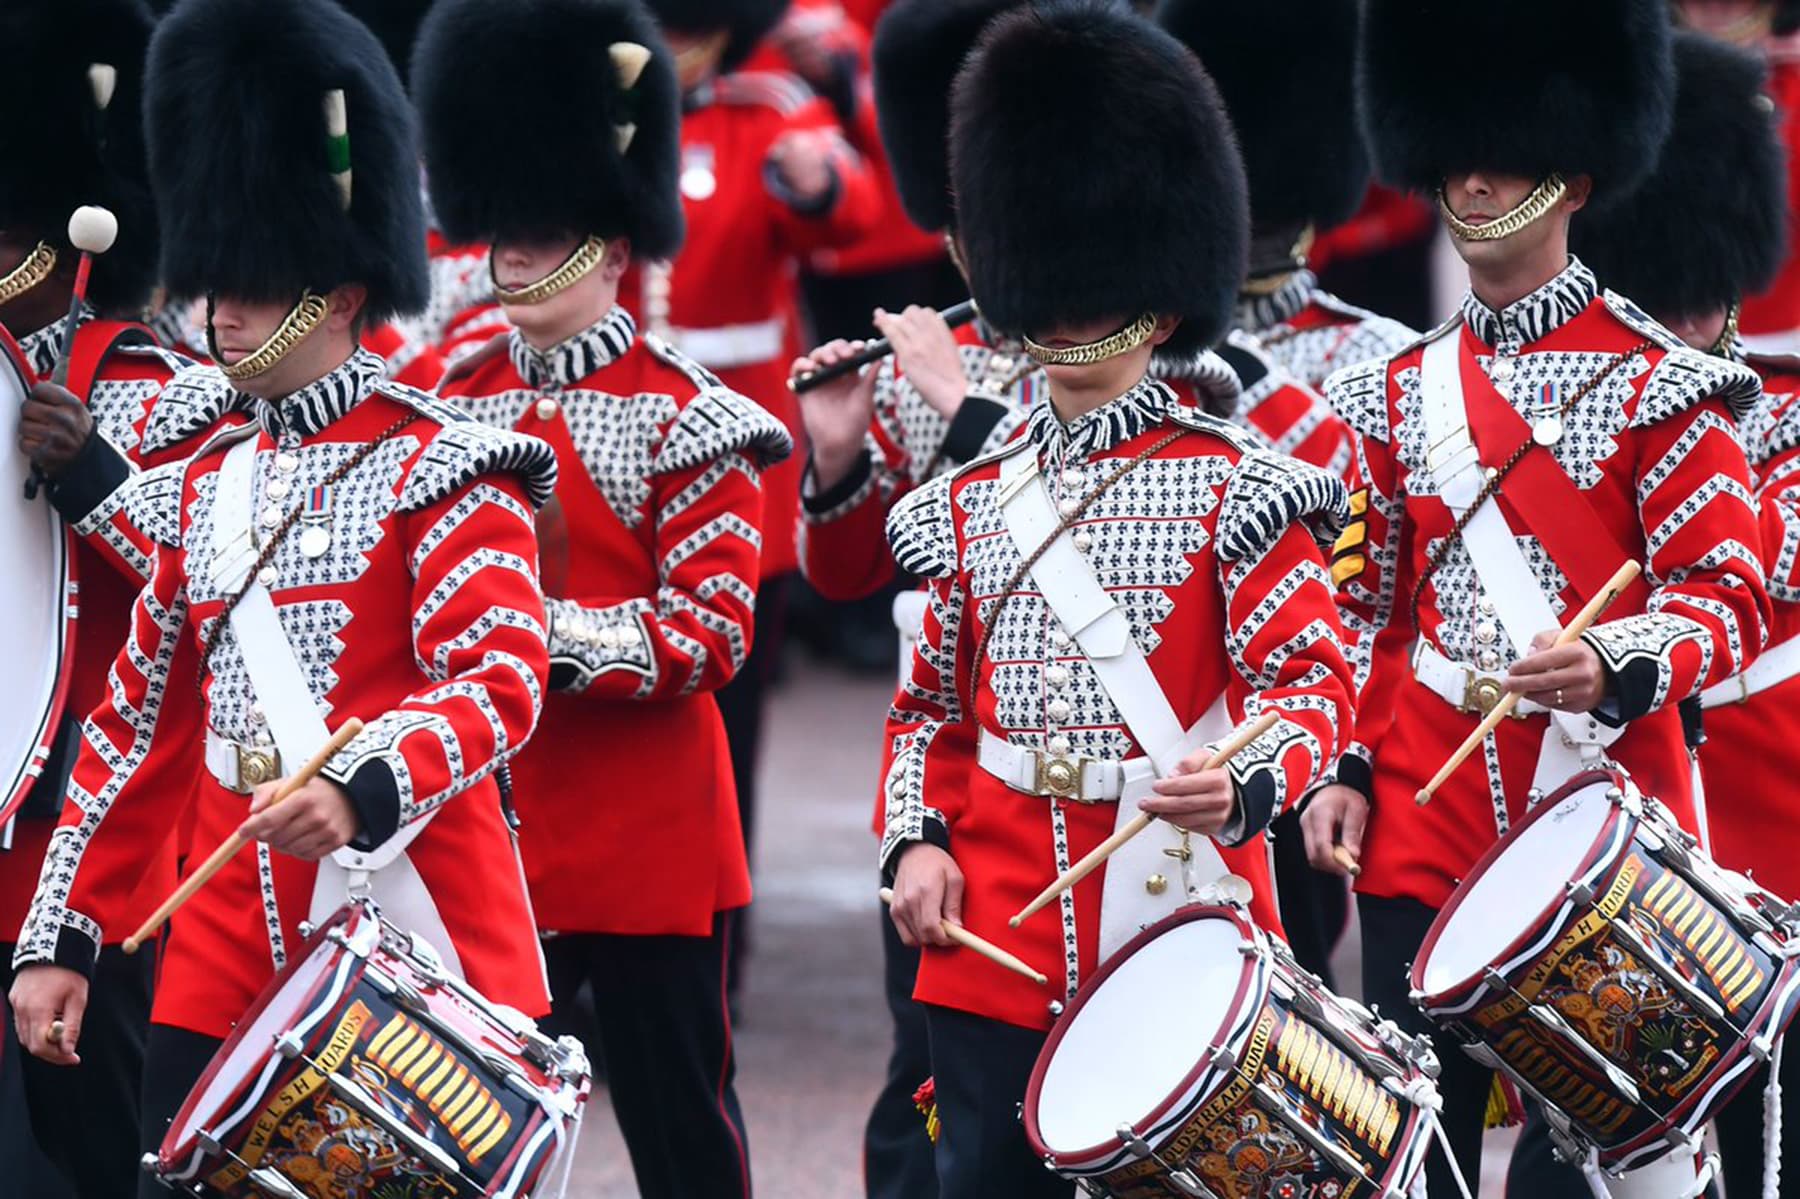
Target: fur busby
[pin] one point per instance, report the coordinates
(63, 149)
(1580, 89)
(919, 47)
(1096, 175)
(395, 23)
(1709, 226)
(501, 83)
(242, 158)
(1787, 16)
(1292, 100)
(748, 22)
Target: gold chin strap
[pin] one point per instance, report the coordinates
(1542, 199)
(1123, 342)
(1726, 345)
(583, 259)
(28, 274)
(302, 320)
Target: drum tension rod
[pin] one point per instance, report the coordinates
(1553, 1020)
(358, 1098)
(1312, 1008)
(1277, 1105)
(1181, 1178)
(1695, 998)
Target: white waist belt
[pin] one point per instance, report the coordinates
(725, 346)
(1463, 687)
(238, 767)
(1083, 780)
(1775, 665)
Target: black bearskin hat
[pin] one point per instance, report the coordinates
(748, 22)
(243, 162)
(395, 23)
(1709, 226)
(63, 150)
(1531, 88)
(1096, 176)
(1292, 100)
(919, 47)
(504, 84)
(1787, 16)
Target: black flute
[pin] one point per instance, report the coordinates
(875, 351)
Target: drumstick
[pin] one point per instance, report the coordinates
(875, 351)
(1620, 580)
(1140, 822)
(192, 884)
(985, 948)
(1347, 860)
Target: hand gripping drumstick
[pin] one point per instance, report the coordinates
(92, 230)
(192, 884)
(985, 948)
(875, 351)
(1140, 822)
(1621, 579)
(1347, 860)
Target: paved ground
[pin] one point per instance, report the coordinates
(812, 1042)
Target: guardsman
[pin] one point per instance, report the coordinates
(1705, 231)
(1508, 464)
(340, 546)
(1022, 734)
(629, 830)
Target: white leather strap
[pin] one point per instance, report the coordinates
(722, 347)
(1574, 739)
(1017, 767)
(1451, 681)
(225, 761)
(1774, 666)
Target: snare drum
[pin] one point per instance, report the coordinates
(1201, 1061)
(366, 1070)
(1612, 970)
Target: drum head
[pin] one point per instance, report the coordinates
(34, 603)
(229, 1092)
(1128, 1046)
(1513, 890)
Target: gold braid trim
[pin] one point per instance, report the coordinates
(302, 320)
(1542, 199)
(583, 259)
(1123, 342)
(28, 274)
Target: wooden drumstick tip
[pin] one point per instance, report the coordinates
(1347, 860)
(54, 1034)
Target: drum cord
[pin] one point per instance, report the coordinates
(1771, 1188)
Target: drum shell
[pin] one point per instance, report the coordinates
(1219, 1128)
(1685, 1063)
(408, 1049)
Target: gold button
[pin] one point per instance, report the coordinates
(1156, 884)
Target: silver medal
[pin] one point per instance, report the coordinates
(1547, 431)
(315, 540)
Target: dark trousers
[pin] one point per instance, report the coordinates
(1314, 905)
(174, 1060)
(982, 1067)
(1392, 931)
(84, 1119)
(665, 1033)
(1740, 1129)
(897, 1152)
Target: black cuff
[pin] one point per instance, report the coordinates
(932, 833)
(1356, 774)
(1256, 803)
(375, 795)
(816, 207)
(565, 675)
(96, 471)
(970, 427)
(840, 491)
(76, 951)
(839, 91)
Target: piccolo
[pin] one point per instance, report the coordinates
(875, 351)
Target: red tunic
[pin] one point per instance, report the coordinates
(462, 315)
(730, 302)
(1654, 451)
(629, 820)
(1311, 333)
(422, 616)
(1748, 760)
(120, 395)
(1225, 592)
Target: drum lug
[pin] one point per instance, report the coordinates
(289, 1046)
(1580, 894)
(209, 1143)
(1695, 998)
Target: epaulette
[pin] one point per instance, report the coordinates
(175, 361)
(921, 530)
(785, 93)
(717, 422)
(1359, 394)
(1385, 329)
(195, 400)
(154, 500)
(1269, 492)
(665, 353)
(1627, 313)
(1687, 376)
(469, 363)
(464, 449)
(1196, 421)
(1246, 358)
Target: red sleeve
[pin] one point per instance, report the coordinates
(856, 204)
(1778, 511)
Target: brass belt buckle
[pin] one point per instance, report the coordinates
(1480, 694)
(1059, 778)
(255, 767)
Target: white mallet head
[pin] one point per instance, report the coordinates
(93, 229)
